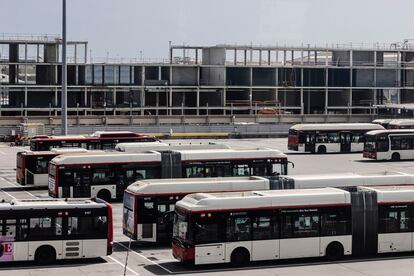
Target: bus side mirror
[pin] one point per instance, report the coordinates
(293, 164)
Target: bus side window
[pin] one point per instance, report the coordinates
(238, 228)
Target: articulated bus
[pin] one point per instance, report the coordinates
(100, 140)
(32, 166)
(240, 227)
(395, 145)
(149, 204)
(46, 230)
(107, 175)
(323, 138)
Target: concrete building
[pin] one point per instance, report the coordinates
(201, 80)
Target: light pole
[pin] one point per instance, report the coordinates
(64, 113)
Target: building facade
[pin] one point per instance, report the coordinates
(200, 80)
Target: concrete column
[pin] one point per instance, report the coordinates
(292, 56)
(351, 63)
(326, 91)
(316, 57)
(56, 97)
(76, 53)
(245, 57)
(86, 99)
(251, 56)
(277, 56)
(86, 54)
(260, 57)
(284, 57)
(301, 57)
(198, 100)
(25, 63)
(157, 100)
(224, 100)
(196, 55)
(302, 105)
(235, 57)
(170, 100)
(326, 58)
(269, 57)
(37, 53)
(25, 96)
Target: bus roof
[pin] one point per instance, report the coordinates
(350, 179)
(264, 199)
(393, 194)
(114, 134)
(49, 203)
(382, 121)
(332, 126)
(155, 156)
(58, 151)
(106, 157)
(401, 122)
(145, 146)
(215, 154)
(195, 185)
(390, 131)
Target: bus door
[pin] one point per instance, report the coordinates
(309, 142)
(345, 139)
(81, 184)
(165, 220)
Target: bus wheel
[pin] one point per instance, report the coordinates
(321, 149)
(395, 156)
(240, 257)
(334, 251)
(45, 255)
(104, 195)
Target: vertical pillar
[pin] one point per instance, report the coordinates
(245, 56)
(142, 93)
(25, 63)
(114, 99)
(260, 57)
(292, 57)
(269, 53)
(86, 53)
(224, 100)
(196, 55)
(198, 100)
(86, 100)
(235, 57)
(351, 57)
(302, 104)
(284, 57)
(75, 53)
(301, 56)
(37, 52)
(277, 85)
(326, 91)
(25, 97)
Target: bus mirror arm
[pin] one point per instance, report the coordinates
(293, 164)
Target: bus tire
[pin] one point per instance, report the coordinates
(45, 255)
(104, 194)
(321, 149)
(240, 257)
(334, 251)
(395, 156)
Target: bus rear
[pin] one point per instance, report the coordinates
(370, 147)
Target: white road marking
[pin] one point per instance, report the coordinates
(8, 194)
(122, 265)
(1, 152)
(18, 187)
(142, 256)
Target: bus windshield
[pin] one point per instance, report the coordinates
(370, 143)
(180, 230)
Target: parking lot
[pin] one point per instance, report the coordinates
(146, 259)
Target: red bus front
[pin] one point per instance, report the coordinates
(293, 139)
(20, 168)
(182, 253)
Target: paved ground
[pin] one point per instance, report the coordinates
(149, 260)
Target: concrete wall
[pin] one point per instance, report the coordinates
(214, 56)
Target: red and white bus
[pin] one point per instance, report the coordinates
(100, 140)
(46, 230)
(107, 175)
(149, 204)
(395, 145)
(323, 138)
(240, 227)
(32, 166)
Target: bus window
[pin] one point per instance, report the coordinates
(333, 137)
(194, 171)
(206, 230)
(41, 165)
(262, 228)
(238, 228)
(394, 220)
(321, 138)
(45, 227)
(241, 170)
(298, 225)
